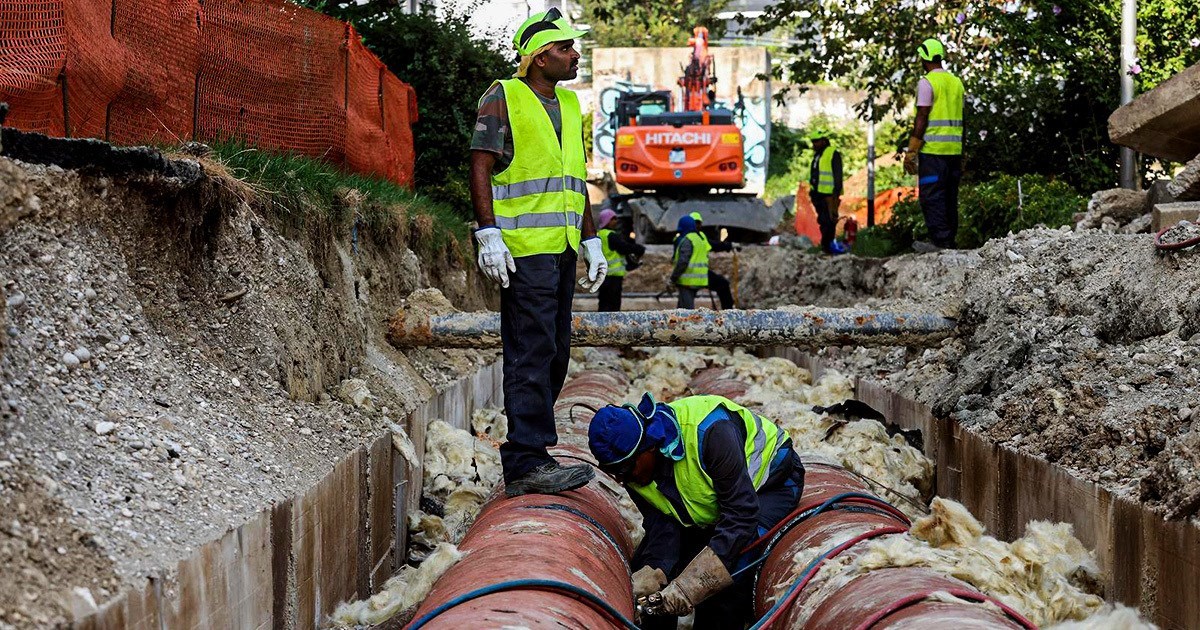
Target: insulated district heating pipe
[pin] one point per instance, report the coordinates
(793, 327)
(578, 538)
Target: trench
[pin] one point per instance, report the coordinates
(342, 538)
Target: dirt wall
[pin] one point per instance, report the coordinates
(175, 361)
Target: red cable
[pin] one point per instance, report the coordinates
(836, 551)
(960, 593)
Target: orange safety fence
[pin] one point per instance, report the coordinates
(806, 215)
(266, 72)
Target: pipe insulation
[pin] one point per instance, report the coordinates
(794, 327)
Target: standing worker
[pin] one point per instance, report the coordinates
(616, 247)
(690, 271)
(935, 148)
(530, 201)
(825, 186)
(716, 282)
(708, 476)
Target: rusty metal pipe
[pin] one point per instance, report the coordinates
(794, 327)
(577, 538)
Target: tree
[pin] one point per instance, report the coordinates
(650, 23)
(1042, 75)
(449, 66)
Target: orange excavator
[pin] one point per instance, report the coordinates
(691, 160)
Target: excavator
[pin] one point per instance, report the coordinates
(690, 160)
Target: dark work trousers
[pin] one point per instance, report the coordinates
(938, 181)
(535, 329)
(610, 294)
(720, 285)
(825, 219)
(687, 297)
(734, 606)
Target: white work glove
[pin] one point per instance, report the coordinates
(597, 265)
(495, 261)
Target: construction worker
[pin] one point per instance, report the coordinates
(716, 282)
(616, 247)
(690, 271)
(708, 476)
(935, 148)
(825, 186)
(531, 204)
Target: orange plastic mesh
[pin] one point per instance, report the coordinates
(33, 52)
(263, 71)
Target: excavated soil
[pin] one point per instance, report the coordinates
(172, 363)
(1077, 347)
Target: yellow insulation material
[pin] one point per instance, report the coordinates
(400, 593)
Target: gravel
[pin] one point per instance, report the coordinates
(142, 416)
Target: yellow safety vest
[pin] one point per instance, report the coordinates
(824, 183)
(944, 135)
(763, 441)
(696, 273)
(616, 262)
(539, 200)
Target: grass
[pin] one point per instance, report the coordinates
(302, 190)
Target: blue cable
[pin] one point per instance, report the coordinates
(506, 586)
(758, 625)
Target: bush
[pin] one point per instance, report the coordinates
(988, 210)
(791, 155)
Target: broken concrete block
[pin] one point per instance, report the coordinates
(1158, 193)
(1119, 204)
(1164, 122)
(1186, 185)
(1140, 225)
(1168, 214)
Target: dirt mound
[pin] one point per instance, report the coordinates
(1079, 347)
(174, 363)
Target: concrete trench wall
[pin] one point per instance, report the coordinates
(290, 565)
(1147, 562)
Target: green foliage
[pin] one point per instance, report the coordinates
(997, 207)
(989, 210)
(791, 155)
(649, 23)
(306, 193)
(1041, 74)
(450, 66)
(874, 242)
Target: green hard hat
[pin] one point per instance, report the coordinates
(818, 134)
(696, 217)
(541, 29)
(931, 49)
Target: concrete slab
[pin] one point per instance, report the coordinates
(1164, 122)
(1168, 214)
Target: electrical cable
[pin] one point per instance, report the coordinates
(590, 598)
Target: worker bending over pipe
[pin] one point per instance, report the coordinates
(708, 476)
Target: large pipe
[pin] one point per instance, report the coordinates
(793, 327)
(577, 538)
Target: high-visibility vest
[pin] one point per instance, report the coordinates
(944, 135)
(763, 441)
(696, 273)
(616, 261)
(824, 181)
(539, 200)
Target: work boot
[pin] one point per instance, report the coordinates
(925, 247)
(550, 478)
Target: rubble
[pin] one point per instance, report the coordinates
(1163, 122)
(1118, 204)
(1186, 185)
(1168, 214)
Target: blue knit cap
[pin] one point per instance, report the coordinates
(686, 225)
(619, 433)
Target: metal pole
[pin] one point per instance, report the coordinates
(414, 326)
(1128, 57)
(871, 164)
